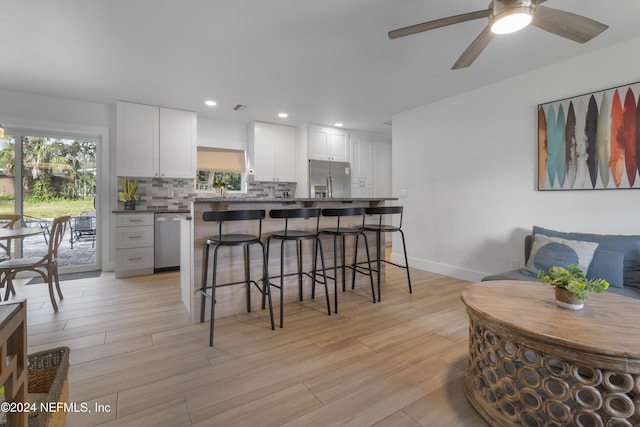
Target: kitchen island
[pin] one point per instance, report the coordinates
(231, 300)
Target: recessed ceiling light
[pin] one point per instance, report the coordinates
(283, 115)
(210, 103)
(339, 124)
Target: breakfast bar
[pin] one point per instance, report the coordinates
(232, 300)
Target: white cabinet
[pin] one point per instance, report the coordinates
(178, 143)
(327, 143)
(274, 152)
(361, 165)
(155, 142)
(134, 244)
(382, 168)
(138, 140)
(370, 165)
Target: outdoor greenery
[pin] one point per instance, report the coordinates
(51, 209)
(53, 168)
(58, 175)
(229, 180)
(573, 280)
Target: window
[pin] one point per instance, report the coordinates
(219, 167)
(210, 180)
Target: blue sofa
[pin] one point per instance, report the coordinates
(615, 258)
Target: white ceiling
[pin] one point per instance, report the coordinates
(322, 61)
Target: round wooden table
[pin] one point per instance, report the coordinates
(533, 363)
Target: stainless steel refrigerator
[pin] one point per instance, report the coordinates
(329, 179)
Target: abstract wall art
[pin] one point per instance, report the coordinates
(591, 141)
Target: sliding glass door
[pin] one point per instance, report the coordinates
(57, 177)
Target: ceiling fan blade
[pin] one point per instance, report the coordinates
(443, 22)
(475, 48)
(567, 24)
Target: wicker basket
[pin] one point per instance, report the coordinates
(48, 374)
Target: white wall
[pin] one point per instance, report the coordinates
(469, 164)
(220, 134)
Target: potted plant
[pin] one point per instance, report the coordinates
(219, 184)
(129, 195)
(571, 285)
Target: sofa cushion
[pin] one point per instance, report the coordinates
(607, 265)
(555, 251)
(629, 245)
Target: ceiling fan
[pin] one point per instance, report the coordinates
(507, 16)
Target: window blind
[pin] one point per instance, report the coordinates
(221, 160)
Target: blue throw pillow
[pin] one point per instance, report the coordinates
(629, 245)
(607, 265)
(548, 251)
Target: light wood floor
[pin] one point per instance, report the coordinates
(397, 363)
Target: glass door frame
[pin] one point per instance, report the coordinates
(18, 133)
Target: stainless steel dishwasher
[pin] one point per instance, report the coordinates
(167, 241)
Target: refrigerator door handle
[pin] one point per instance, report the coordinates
(329, 186)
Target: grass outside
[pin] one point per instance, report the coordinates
(50, 209)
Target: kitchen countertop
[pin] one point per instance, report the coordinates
(285, 199)
(154, 211)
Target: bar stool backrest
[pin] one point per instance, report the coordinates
(296, 213)
(240, 215)
(385, 210)
(340, 212)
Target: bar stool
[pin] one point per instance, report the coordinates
(380, 228)
(233, 239)
(343, 232)
(298, 236)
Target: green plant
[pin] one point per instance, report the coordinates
(219, 180)
(129, 190)
(573, 280)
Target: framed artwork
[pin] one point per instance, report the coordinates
(591, 141)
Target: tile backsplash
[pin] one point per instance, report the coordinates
(172, 194)
(261, 189)
(162, 193)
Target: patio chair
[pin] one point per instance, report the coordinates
(83, 225)
(45, 265)
(32, 221)
(7, 221)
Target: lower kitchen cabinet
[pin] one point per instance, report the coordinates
(134, 244)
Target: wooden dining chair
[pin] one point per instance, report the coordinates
(8, 221)
(46, 265)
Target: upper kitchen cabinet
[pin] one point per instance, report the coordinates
(370, 165)
(155, 142)
(274, 152)
(326, 143)
(382, 167)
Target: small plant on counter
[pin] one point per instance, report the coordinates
(218, 181)
(573, 280)
(129, 191)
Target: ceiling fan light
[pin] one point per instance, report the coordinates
(511, 23)
(509, 17)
